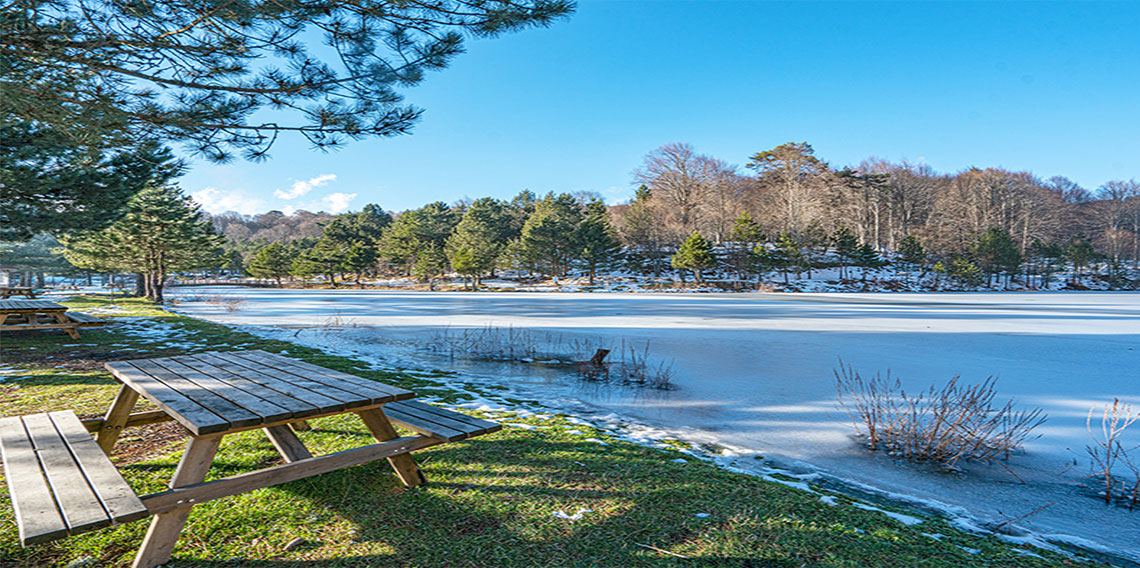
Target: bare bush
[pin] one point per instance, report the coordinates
(230, 303)
(946, 424)
(1110, 455)
(638, 369)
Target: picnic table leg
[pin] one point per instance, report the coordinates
(377, 423)
(63, 319)
(301, 426)
(287, 443)
(165, 527)
(116, 418)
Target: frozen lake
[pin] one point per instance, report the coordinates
(755, 371)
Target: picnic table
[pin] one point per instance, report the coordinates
(212, 395)
(9, 291)
(17, 315)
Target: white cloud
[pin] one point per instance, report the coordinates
(217, 201)
(338, 202)
(300, 188)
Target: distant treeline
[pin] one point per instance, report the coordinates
(787, 213)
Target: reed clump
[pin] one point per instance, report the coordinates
(946, 424)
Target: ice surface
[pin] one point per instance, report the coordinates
(755, 375)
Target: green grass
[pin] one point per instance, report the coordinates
(489, 501)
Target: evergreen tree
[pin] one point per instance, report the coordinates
(598, 241)
(199, 72)
(996, 253)
(965, 272)
(1079, 253)
(867, 258)
(34, 258)
(547, 237)
(519, 210)
(694, 254)
(364, 227)
(50, 185)
(743, 237)
(303, 268)
(912, 254)
(326, 257)
(431, 262)
(162, 232)
(359, 259)
(478, 240)
(271, 261)
(413, 232)
(786, 257)
(465, 263)
(847, 247)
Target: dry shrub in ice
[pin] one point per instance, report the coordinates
(947, 424)
(1110, 455)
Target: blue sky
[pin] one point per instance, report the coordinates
(1053, 88)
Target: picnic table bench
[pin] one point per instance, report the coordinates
(68, 485)
(19, 315)
(9, 291)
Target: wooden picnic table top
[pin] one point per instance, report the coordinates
(218, 392)
(30, 306)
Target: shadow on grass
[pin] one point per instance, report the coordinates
(490, 502)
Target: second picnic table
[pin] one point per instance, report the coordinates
(9, 291)
(43, 314)
(212, 395)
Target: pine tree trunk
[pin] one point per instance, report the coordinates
(157, 289)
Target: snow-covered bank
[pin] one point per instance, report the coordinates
(754, 373)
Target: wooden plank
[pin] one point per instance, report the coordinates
(475, 426)
(188, 413)
(445, 432)
(264, 389)
(30, 306)
(268, 411)
(37, 516)
(163, 532)
(232, 413)
(294, 389)
(93, 425)
(116, 418)
(117, 498)
(287, 443)
(286, 366)
(344, 399)
(84, 320)
(396, 393)
(77, 501)
(72, 329)
(33, 326)
(454, 420)
(243, 483)
(381, 429)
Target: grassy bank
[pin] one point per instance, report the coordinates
(490, 501)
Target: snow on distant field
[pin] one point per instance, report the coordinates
(754, 373)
